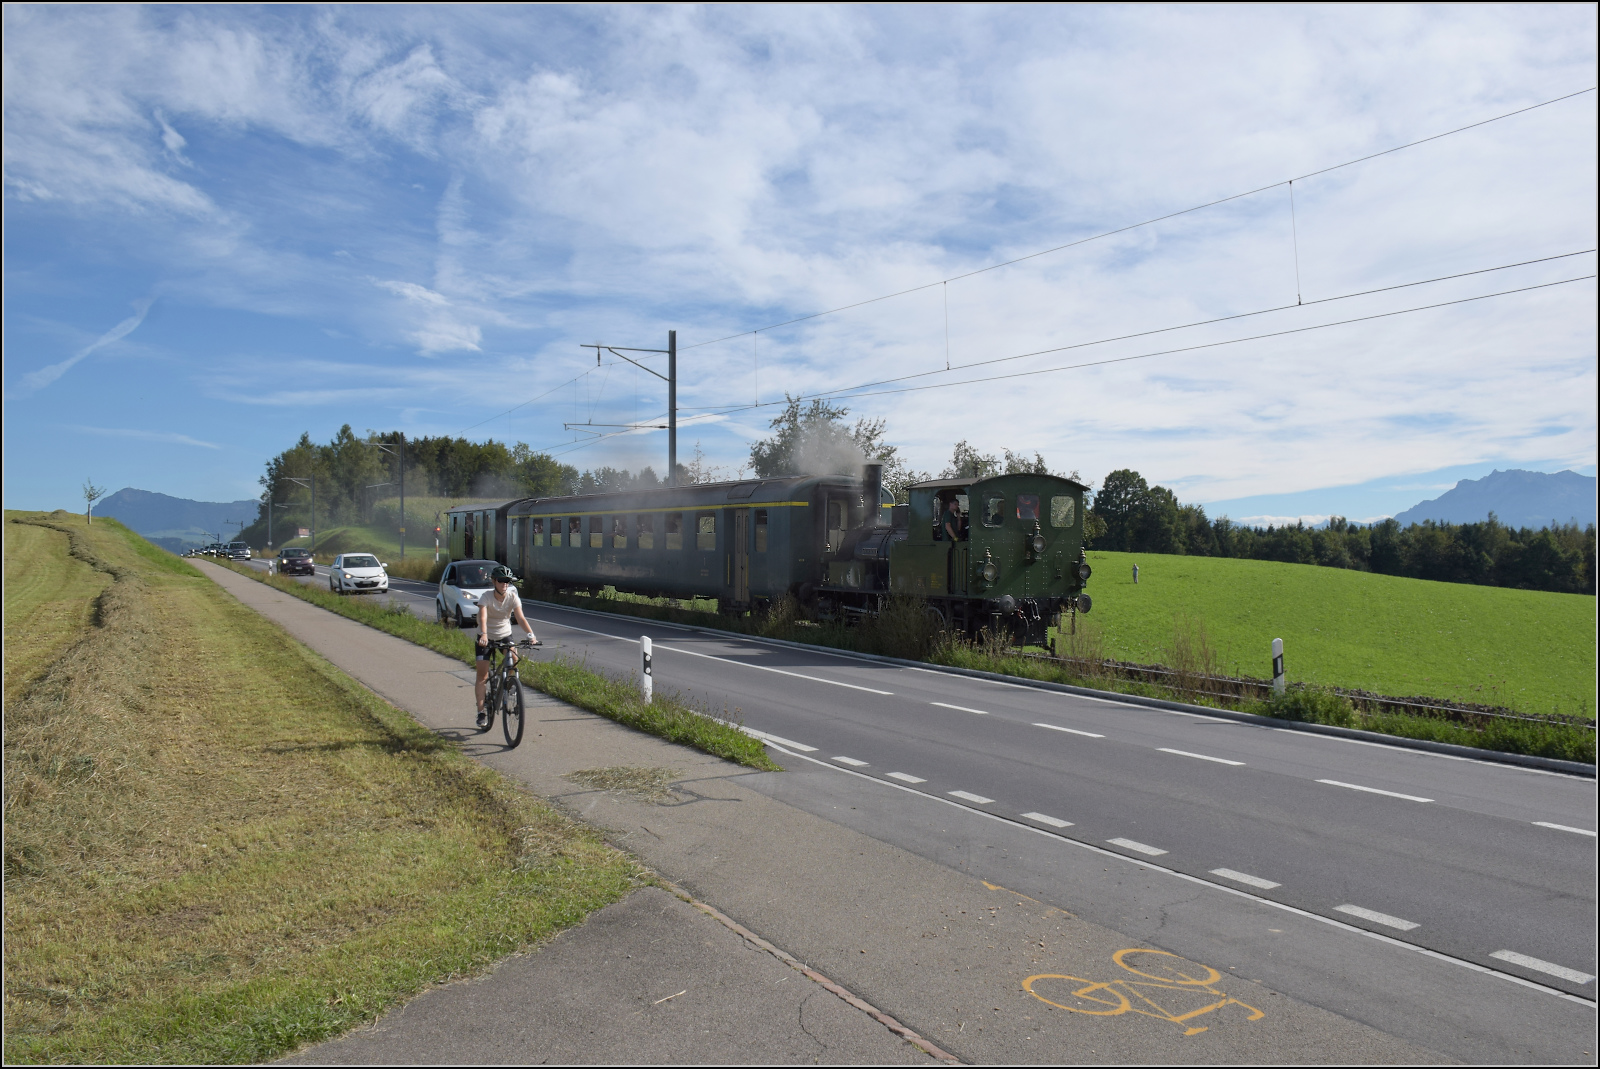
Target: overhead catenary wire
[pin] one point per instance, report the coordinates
(1146, 222)
(844, 391)
(847, 395)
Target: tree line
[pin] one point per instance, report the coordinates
(815, 438)
(1129, 515)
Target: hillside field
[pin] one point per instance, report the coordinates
(1530, 650)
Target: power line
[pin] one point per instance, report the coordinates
(1181, 326)
(1169, 352)
(1147, 222)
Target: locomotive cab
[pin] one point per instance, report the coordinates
(1016, 561)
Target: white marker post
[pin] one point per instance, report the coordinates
(1277, 666)
(646, 676)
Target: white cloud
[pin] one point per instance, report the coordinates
(549, 176)
(167, 437)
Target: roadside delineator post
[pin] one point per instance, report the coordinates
(1277, 666)
(646, 677)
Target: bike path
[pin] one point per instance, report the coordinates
(985, 972)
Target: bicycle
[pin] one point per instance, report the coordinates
(504, 691)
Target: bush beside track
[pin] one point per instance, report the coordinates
(218, 847)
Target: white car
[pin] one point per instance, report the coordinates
(460, 587)
(358, 573)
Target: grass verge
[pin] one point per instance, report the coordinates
(219, 848)
(667, 716)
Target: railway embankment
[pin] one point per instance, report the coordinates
(218, 847)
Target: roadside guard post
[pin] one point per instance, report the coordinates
(1277, 666)
(646, 678)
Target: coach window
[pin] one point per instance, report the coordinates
(674, 530)
(1027, 506)
(512, 532)
(994, 511)
(647, 531)
(536, 537)
(455, 523)
(597, 532)
(555, 530)
(1063, 511)
(761, 530)
(619, 532)
(575, 532)
(705, 531)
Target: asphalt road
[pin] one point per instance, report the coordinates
(1487, 866)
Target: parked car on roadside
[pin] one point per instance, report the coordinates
(358, 573)
(460, 587)
(238, 551)
(296, 561)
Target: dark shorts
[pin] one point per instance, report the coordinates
(483, 652)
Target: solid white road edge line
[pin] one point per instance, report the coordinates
(961, 708)
(1143, 848)
(764, 737)
(1377, 918)
(978, 798)
(1526, 962)
(1054, 822)
(1373, 790)
(725, 660)
(1074, 731)
(1245, 878)
(1331, 922)
(1201, 756)
(1562, 827)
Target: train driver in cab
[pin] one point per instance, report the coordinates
(954, 526)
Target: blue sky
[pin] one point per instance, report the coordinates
(229, 225)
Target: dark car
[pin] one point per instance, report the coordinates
(295, 562)
(237, 551)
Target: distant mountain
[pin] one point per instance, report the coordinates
(1518, 498)
(176, 522)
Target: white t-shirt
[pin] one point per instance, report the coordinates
(499, 612)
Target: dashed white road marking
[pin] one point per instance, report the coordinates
(1373, 790)
(1572, 975)
(851, 761)
(1143, 848)
(764, 737)
(1054, 822)
(1245, 878)
(903, 778)
(978, 798)
(1376, 918)
(1200, 756)
(1074, 731)
(1561, 827)
(961, 708)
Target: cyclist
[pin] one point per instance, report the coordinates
(495, 613)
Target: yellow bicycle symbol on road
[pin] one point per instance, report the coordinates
(1164, 978)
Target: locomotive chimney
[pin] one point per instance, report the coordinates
(872, 494)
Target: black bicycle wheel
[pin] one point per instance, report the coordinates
(511, 708)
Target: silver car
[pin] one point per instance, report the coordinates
(358, 573)
(464, 582)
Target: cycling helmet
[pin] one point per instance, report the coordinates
(502, 572)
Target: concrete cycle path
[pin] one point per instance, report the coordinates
(982, 972)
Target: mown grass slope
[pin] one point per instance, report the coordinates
(1529, 650)
(217, 846)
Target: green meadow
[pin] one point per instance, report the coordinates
(1529, 650)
